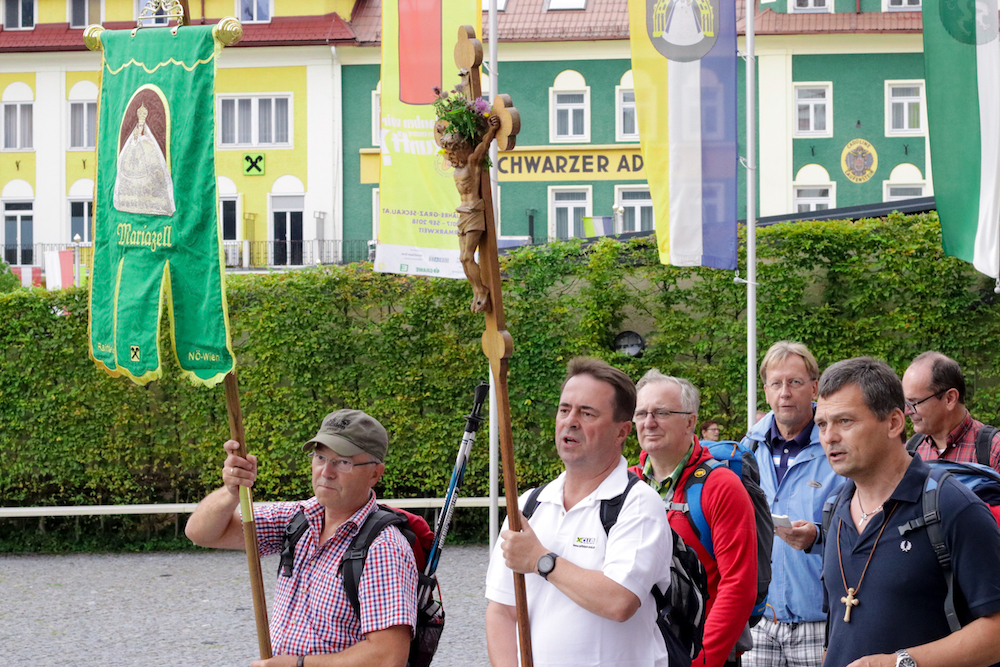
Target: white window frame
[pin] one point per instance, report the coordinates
(239, 12)
(831, 200)
(921, 100)
(89, 143)
(903, 6)
(20, 22)
(377, 115)
(88, 221)
(19, 248)
(375, 213)
(89, 19)
(158, 20)
(887, 185)
(620, 107)
(566, 4)
(812, 8)
(588, 206)
(828, 86)
(19, 148)
(254, 120)
(633, 203)
(554, 111)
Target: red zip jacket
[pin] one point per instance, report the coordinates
(732, 574)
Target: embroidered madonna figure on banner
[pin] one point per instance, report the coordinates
(143, 183)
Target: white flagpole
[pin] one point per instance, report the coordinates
(494, 430)
(751, 99)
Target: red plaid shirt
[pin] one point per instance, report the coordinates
(311, 614)
(961, 445)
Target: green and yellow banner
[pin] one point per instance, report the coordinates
(156, 231)
(417, 222)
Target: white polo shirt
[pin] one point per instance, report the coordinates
(636, 554)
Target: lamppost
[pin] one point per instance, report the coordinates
(76, 258)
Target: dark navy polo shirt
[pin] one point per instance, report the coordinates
(783, 452)
(901, 599)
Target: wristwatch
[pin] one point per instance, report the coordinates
(301, 661)
(903, 659)
(547, 563)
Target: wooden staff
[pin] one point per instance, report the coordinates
(249, 527)
(497, 342)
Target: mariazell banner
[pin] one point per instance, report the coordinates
(417, 222)
(156, 229)
(684, 70)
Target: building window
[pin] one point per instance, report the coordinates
(812, 199)
(569, 108)
(255, 121)
(567, 4)
(81, 217)
(84, 12)
(254, 11)
(158, 17)
(82, 124)
(567, 209)
(18, 14)
(628, 125)
(17, 126)
(813, 105)
(287, 229)
(375, 214)
(18, 233)
(903, 5)
(796, 6)
(904, 107)
(227, 219)
(636, 209)
(897, 192)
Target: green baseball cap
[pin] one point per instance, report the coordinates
(351, 432)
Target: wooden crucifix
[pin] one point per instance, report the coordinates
(477, 230)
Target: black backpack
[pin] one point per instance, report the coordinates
(430, 613)
(984, 442)
(680, 613)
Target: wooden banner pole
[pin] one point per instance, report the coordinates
(249, 527)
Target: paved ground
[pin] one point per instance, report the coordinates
(181, 609)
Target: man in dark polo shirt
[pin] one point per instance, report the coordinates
(885, 589)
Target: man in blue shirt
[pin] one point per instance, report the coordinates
(797, 479)
(885, 587)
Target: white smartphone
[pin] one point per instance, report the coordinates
(781, 520)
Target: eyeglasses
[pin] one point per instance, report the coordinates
(340, 465)
(793, 384)
(912, 405)
(658, 415)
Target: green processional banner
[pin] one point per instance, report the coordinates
(156, 231)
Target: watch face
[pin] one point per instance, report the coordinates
(546, 564)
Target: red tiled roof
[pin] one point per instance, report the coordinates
(525, 21)
(366, 20)
(769, 22)
(282, 30)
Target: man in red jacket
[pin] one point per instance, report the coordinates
(665, 416)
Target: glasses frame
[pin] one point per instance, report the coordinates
(912, 405)
(657, 414)
(338, 464)
(776, 386)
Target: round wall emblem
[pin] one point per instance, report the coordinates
(970, 21)
(859, 160)
(682, 30)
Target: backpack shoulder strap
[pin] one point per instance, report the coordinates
(984, 442)
(914, 442)
(612, 507)
(353, 562)
(831, 504)
(696, 514)
(531, 504)
(294, 531)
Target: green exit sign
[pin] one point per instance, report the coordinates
(253, 164)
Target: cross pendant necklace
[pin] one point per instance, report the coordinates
(851, 600)
(865, 515)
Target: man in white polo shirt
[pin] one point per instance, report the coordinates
(589, 591)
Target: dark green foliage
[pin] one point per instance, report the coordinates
(407, 350)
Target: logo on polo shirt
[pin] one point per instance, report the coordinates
(814, 483)
(586, 542)
(905, 546)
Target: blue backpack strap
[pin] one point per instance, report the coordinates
(831, 504)
(532, 502)
(293, 533)
(984, 443)
(612, 507)
(353, 562)
(692, 493)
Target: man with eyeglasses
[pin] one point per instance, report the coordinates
(665, 416)
(797, 479)
(934, 388)
(589, 592)
(312, 621)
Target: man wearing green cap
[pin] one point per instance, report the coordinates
(312, 621)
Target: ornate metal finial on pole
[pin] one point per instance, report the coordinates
(165, 10)
(228, 31)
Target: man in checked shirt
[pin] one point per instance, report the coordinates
(312, 621)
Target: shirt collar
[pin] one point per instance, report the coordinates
(801, 441)
(911, 487)
(959, 431)
(671, 480)
(610, 486)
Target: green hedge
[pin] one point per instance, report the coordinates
(407, 350)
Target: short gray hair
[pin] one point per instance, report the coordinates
(880, 386)
(690, 398)
(784, 349)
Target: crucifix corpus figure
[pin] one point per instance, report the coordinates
(467, 162)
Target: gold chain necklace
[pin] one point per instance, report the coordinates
(851, 600)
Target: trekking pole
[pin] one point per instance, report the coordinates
(472, 423)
